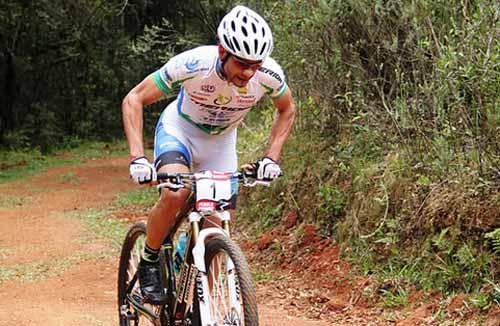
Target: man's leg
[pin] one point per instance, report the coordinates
(162, 216)
(160, 222)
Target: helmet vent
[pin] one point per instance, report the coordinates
(226, 40)
(256, 45)
(235, 43)
(245, 19)
(263, 48)
(254, 28)
(233, 26)
(263, 32)
(244, 30)
(247, 48)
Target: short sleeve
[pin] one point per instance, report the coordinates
(272, 78)
(177, 70)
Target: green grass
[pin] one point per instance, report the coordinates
(7, 201)
(142, 197)
(261, 276)
(38, 271)
(102, 226)
(4, 253)
(19, 164)
(69, 177)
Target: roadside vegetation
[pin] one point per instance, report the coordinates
(395, 155)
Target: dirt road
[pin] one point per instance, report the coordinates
(52, 271)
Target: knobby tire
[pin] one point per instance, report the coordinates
(219, 244)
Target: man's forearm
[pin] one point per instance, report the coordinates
(280, 131)
(133, 124)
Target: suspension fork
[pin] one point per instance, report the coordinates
(188, 271)
(203, 286)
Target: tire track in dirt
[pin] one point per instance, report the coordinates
(48, 274)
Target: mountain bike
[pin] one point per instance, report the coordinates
(214, 285)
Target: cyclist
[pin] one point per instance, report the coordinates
(218, 86)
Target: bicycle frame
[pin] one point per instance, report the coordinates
(193, 280)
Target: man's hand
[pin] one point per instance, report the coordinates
(267, 169)
(141, 171)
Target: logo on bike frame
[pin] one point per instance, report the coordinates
(199, 288)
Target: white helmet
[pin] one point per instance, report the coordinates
(244, 33)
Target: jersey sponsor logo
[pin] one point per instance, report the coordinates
(271, 73)
(245, 101)
(247, 96)
(169, 143)
(192, 64)
(222, 108)
(243, 90)
(199, 98)
(208, 88)
(222, 100)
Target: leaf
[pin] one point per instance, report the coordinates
(423, 181)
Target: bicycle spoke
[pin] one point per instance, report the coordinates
(220, 304)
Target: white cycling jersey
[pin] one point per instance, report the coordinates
(205, 98)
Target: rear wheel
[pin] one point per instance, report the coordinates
(226, 282)
(129, 260)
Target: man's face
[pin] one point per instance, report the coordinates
(239, 71)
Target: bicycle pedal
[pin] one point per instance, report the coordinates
(137, 301)
(125, 312)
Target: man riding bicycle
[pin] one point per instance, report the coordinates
(218, 87)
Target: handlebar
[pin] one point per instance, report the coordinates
(175, 181)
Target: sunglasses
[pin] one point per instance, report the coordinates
(243, 64)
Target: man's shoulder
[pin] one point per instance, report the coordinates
(204, 50)
(193, 61)
(272, 70)
(201, 55)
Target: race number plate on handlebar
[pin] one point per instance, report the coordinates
(212, 188)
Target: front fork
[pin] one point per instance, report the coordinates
(198, 238)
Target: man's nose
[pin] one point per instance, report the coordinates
(248, 73)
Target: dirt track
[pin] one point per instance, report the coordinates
(50, 274)
(53, 272)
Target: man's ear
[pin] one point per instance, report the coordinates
(222, 53)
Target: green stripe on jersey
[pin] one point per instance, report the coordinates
(280, 94)
(161, 84)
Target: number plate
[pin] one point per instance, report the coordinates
(212, 187)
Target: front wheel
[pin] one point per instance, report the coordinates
(229, 280)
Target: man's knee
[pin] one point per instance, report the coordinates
(173, 198)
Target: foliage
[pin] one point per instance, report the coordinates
(395, 153)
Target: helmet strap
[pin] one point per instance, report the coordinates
(223, 60)
(224, 55)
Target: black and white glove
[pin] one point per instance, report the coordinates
(141, 171)
(267, 169)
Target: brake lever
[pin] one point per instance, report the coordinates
(170, 185)
(254, 183)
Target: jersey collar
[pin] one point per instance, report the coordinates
(219, 70)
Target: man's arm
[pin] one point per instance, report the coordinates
(145, 93)
(283, 124)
